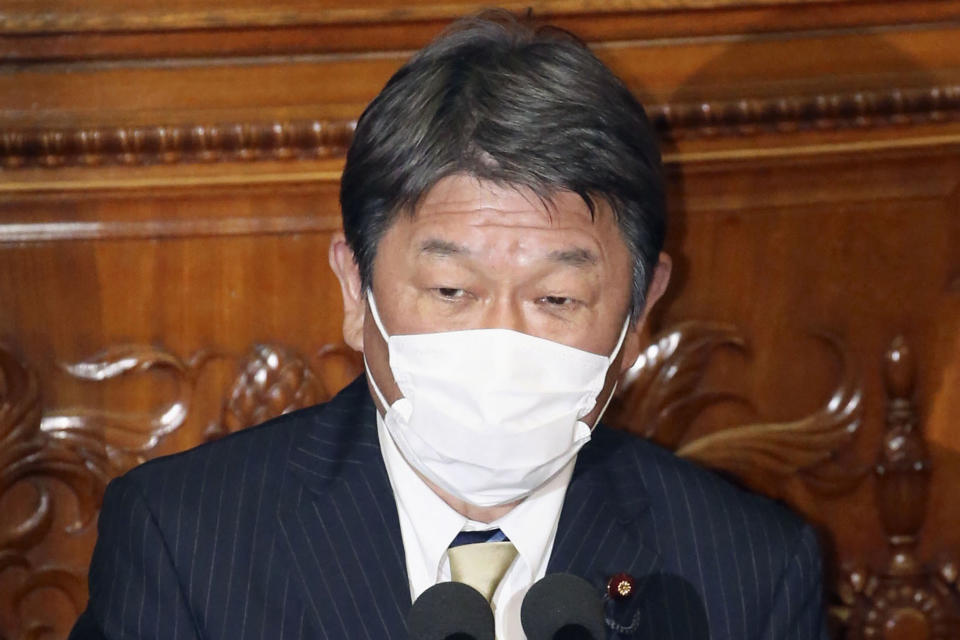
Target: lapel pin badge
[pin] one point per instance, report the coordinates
(620, 586)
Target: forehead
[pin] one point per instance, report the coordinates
(463, 193)
(461, 202)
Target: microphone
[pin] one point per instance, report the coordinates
(562, 607)
(451, 611)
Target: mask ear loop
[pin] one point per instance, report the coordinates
(606, 404)
(386, 338)
(616, 383)
(376, 316)
(620, 341)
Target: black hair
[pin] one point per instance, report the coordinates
(499, 100)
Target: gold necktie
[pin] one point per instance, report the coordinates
(481, 565)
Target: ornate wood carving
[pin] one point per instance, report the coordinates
(165, 143)
(82, 448)
(129, 438)
(906, 599)
(40, 457)
(662, 395)
(806, 447)
(275, 380)
(32, 449)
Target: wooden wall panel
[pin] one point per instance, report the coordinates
(168, 187)
(818, 279)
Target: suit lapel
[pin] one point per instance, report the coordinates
(339, 519)
(600, 532)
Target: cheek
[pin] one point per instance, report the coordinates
(406, 310)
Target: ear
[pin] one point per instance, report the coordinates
(658, 284)
(344, 265)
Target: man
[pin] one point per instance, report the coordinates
(503, 215)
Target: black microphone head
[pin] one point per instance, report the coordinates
(451, 611)
(562, 607)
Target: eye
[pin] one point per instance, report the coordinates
(449, 293)
(557, 301)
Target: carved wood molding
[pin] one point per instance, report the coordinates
(211, 142)
(856, 109)
(174, 144)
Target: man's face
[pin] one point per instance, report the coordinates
(476, 255)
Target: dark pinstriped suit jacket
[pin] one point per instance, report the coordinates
(289, 530)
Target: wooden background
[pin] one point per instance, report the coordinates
(169, 186)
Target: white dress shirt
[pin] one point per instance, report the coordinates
(428, 526)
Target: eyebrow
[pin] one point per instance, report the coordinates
(574, 257)
(442, 248)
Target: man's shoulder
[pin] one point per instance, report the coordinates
(690, 495)
(749, 561)
(260, 449)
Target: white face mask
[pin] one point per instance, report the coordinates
(489, 415)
